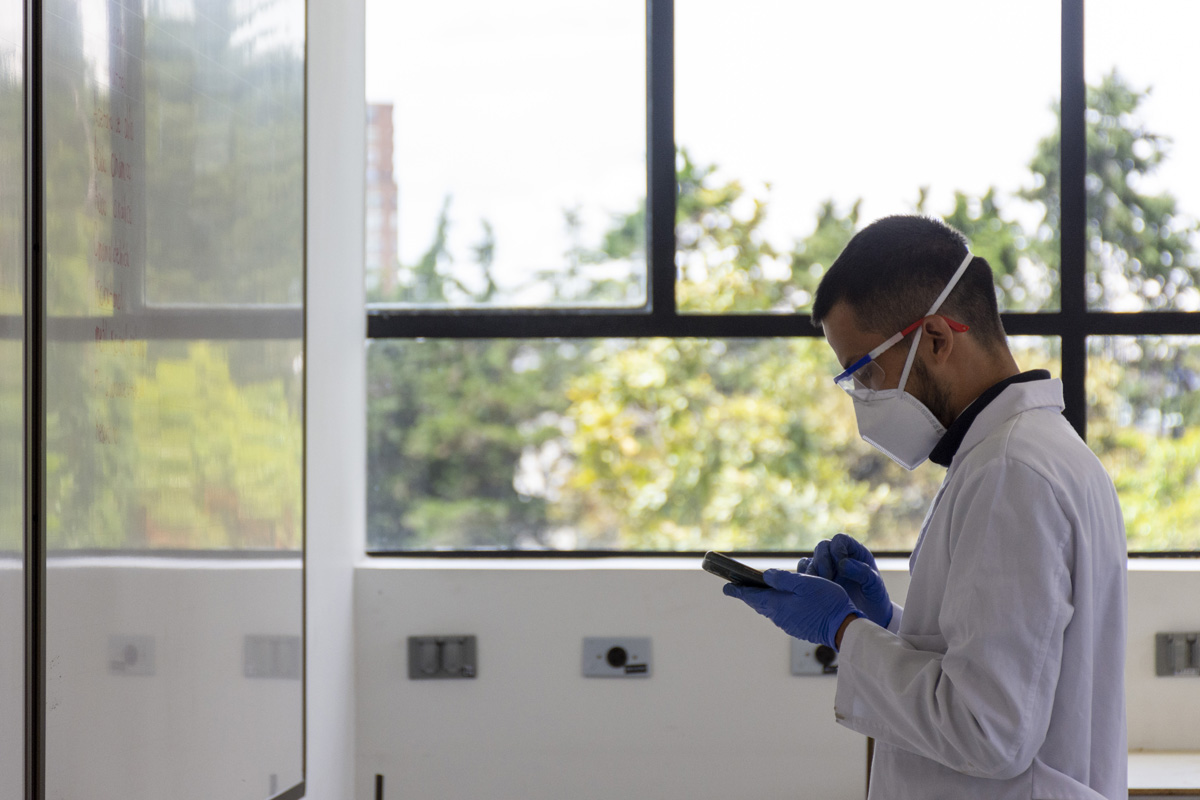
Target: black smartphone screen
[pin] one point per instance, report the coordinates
(732, 570)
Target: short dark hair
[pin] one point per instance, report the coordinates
(892, 270)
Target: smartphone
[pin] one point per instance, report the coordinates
(733, 571)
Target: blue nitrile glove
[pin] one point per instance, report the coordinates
(851, 566)
(822, 563)
(804, 606)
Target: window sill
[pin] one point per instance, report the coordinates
(672, 563)
(608, 563)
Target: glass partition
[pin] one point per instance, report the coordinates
(12, 401)
(173, 140)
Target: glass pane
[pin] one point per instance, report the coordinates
(12, 402)
(1037, 352)
(1144, 424)
(799, 123)
(517, 133)
(193, 169)
(649, 444)
(174, 516)
(126, 468)
(224, 153)
(1143, 73)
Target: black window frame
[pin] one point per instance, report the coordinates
(1073, 323)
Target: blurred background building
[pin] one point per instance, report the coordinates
(381, 200)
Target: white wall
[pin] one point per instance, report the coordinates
(719, 717)
(1164, 713)
(720, 713)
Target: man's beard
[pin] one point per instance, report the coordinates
(935, 397)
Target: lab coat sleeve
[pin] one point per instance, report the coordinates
(897, 615)
(976, 694)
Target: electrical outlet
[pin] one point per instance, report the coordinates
(616, 657)
(1177, 653)
(131, 655)
(812, 659)
(272, 657)
(436, 657)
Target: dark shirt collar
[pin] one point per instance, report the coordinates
(948, 446)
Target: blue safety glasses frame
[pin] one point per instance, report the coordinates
(866, 374)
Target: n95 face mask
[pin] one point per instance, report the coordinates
(897, 424)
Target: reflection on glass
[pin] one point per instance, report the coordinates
(800, 123)
(519, 149)
(173, 412)
(1143, 156)
(128, 466)
(127, 390)
(650, 444)
(224, 153)
(12, 403)
(1144, 424)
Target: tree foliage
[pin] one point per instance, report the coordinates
(1141, 251)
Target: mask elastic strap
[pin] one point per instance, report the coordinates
(912, 351)
(908, 362)
(958, 273)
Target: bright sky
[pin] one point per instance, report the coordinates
(522, 109)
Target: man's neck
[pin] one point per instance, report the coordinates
(1001, 367)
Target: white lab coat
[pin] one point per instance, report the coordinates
(1003, 674)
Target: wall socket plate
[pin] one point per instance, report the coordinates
(131, 655)
(616, 657)
(441, 657)
(267, 656)
(813, 659)
(1177, 653)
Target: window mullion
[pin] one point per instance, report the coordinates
(660, 156)
(1073, 217)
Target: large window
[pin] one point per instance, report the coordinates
(593, 332)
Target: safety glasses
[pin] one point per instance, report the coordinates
(866, 372)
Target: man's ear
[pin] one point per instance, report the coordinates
(941, 339)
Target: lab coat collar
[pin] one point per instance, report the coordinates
(1023, 392)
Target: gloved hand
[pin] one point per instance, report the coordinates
(850, 565)
(804, 606)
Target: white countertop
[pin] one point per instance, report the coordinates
(1165, 773)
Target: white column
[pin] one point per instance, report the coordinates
(336, 487)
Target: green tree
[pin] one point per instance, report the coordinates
(1024, 281)
(1144, 424)
(1140, 250)
(237, 486)
(720, 253)
(224, 159)
(683, 444)
(449, 422)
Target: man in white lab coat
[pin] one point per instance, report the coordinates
(1002, 676)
